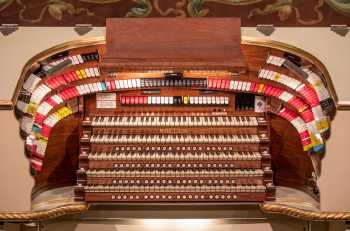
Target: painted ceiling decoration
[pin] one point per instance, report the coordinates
(322, 13)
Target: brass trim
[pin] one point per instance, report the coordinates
(304, 214)
(342, 105)
(6, 105)
(43, 215)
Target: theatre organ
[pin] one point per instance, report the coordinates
(174, 117)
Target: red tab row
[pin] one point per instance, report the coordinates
(133, 99)
(307, 115)
(287, 114)
(310, 95)
(298, 103)
(219, 83)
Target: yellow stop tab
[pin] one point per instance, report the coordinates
(185, 99)
(31, 109)
(83, 73)
(78, 74)
(307, 147)
(277, 76)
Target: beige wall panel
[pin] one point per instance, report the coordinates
(15, 181)
(335, 179)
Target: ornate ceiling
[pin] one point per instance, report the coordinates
(252, 12)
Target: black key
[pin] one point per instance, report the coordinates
(87, 57)
(96, 56)
(91, 57)
(84, 58)
(179, 99)
(59, 55)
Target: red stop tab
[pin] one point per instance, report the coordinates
(123, 100)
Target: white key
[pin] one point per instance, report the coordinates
(97, 72)
(75, 60)
(171, 100)
(120, 84)
(80, 59)
(200, 100)
(129, 83)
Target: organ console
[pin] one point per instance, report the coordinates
(175, 116)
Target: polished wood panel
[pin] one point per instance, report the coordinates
(61, 159)
(170, 43)
(292, 167)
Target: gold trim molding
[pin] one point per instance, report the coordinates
(43, 215)
(6, 105)
(265, 207)
(341, 105)
(304, 214)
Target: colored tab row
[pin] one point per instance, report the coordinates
(63, 79)
(174, 100)
(279, 78)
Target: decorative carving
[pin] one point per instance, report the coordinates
(178, 11)
(44, 215)
(341, 5)
(194, 7)
(143, 9)
(56, 9)
(284, 9)
(5, 3)
(265, 207)
(251, 12)
(303, 214)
